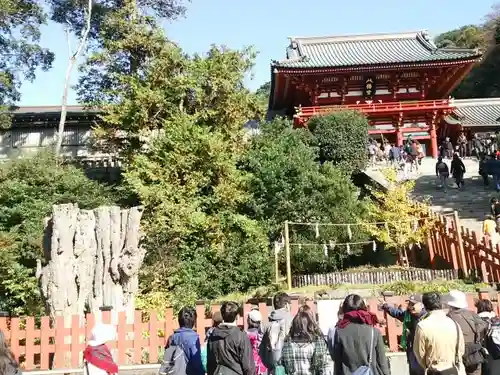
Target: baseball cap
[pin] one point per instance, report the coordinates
(414, 298)
(255, 316)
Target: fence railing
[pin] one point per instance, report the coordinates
(463, 250)
(375, 277)
(41, 344)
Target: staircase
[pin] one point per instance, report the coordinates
(472, 202)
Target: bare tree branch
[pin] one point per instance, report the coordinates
(71, 63)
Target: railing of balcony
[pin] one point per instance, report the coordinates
(378, 108)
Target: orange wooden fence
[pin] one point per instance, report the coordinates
(463, 250)
(39, 345)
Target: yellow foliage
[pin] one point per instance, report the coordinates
(403, 221)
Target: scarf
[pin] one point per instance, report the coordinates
(406, 323)
(100, 357)
(360, 317)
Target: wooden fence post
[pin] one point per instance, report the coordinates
(459, 245)
(483, 293)
(390, 324)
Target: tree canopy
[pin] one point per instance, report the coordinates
(483, 81)
(341, 138)
(287, 183)
(20, 53)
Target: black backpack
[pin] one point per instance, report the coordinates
(474, 352)
(492, 339)
(174, 360)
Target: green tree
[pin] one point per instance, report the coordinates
(483, 81)
(470, 36)
(287, 183)
(264, 90)
(342, 138)
(28, 189)
(20, 54)
(72, 13)
(192, 190)
(178, 121)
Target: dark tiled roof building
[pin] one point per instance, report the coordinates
(401, 81)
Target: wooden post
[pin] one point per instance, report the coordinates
(288, 261)
(276, 265)
(483, 293)
(434, 145)
(399, 137)
(460, 245)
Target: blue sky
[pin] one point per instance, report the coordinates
(267, 24)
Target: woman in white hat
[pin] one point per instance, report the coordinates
(254, 319)
(97, 356)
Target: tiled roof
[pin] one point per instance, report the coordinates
(370, 49)
(476, 112)
(43, 109)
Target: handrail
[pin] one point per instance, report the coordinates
(377, 107)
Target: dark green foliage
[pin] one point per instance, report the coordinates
(287, 183)
(342, 138)
(470, 36)
(71, 11)
(20, 54)
(483, 81)
(28, 189)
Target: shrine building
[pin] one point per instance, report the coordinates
(401, 81)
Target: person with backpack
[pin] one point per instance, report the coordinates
(473, 328)
(305, 351)
(274, 333)
(442, 172)
(229, 349)
(491, 365)
(182, 351)
(358, 346)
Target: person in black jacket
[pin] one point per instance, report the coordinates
(458, 170)
(357, 342)
(229, 351)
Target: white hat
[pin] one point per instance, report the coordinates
(457, 299)
(255, 316)
(102, 333)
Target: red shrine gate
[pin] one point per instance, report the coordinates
(401, 82)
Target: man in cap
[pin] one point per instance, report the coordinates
(409, 316)
(473, 327)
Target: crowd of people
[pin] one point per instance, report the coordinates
(406, 158)
(441, 336)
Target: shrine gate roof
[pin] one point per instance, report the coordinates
(476, 112)
(368, 49)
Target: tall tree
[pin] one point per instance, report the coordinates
(20, 54)
(178, 121)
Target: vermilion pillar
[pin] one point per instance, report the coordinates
(399, 137)
(434, 143)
